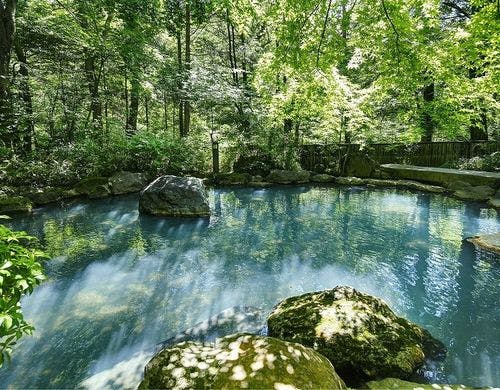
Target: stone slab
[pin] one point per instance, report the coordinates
(488, 242)
(442, 176)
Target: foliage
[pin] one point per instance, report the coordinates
(20, 272)
(94, 83)
(485, 163)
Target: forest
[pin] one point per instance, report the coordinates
(92, 87)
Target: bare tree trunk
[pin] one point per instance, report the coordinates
(165, 111)
(478, 128)
(7, 33)
(134, 105)
(427, 122)
(92, 76)
(28, 132)
(146, 107)
(187, 104)
(180, 87)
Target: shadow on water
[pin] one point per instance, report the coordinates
(120, 282)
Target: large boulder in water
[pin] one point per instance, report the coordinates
(240, 361)
(358, 333)
(173, 196)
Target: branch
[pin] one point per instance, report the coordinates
(393, 29)
(457, 8)
(323, 32)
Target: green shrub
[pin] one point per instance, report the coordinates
(20, 272)
(489, 163)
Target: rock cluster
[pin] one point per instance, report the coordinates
(324, 339)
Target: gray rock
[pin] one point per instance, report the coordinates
(358, 333)
(288, 177)
(322, 178)
(14, 205)
(93, 187)
(174, 196)
(442, 176)
(479, 193)
(240, 361)
(487, 242)
(350, 181)
(232, 179)
(127, 182)
(45, 195)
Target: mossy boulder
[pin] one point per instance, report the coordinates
(14, 205)
(232, 178)
(322, 178)
(349, 181)
(126, 182)
(174, 196)
(477, 193)
(288, 177)
(358, 333)
(93, 187)
(394, 383)
(46, 195)
(240, 361)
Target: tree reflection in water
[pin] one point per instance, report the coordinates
(121, 282)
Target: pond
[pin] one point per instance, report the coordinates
(120, 282)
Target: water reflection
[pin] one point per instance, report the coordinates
(121, 282)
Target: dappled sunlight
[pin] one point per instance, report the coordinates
(141, 280)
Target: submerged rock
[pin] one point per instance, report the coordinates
(487, 242)
(127, 374)
(393, 383)
(237, 319)
(127, 182)
(173, 196)
(240, 361)
(288, 177)
(358, 333)
(14, 205)
(93, 187)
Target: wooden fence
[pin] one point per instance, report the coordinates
(333, 157)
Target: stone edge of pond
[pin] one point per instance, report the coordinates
(16, 200)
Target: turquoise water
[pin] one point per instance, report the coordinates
(121, 282)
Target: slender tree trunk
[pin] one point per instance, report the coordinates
(165, 111)
(187, 104)
(427, 122)
(146, 107)
(478, 128)
(28, 132)
(180, 86)
(7, 33)
(134, 105)
(125, 92)
(91, 74)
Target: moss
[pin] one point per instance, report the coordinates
(358, 333)
(240, 361)
(393, 383)
(15, 204)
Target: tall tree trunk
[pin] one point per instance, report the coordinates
(180, 86)
(135, 86)
(478, 128)
(427, 122)
(187, 104)
(165, 111)
(28, 132)
(92, 77)
(7, 33)
(125, 92)
(146, 107)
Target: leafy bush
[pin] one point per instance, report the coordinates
(153, 153)
(489, 163)
(20, 272)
